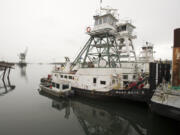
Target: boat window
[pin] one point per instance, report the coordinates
(65, 76)
(134, 76)
(70, 77)
(113, 81)
(94, 80)
(125, 76)
(103, 82)
(65, 86)
(123, 28)
(57, 85)
(73, 77)
(105, 20)
(100, 21)
(96, 22)
(61, 76)
(53, 84)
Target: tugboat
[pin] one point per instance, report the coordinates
(166, 99)
(57, 88)
(107, 66)
(146, 56)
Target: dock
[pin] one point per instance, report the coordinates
(5, 66)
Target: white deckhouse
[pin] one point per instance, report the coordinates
(107, 61)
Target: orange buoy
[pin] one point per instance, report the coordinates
(88, 29)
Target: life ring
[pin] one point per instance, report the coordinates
(88, 29)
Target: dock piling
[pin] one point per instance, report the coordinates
(6, 66)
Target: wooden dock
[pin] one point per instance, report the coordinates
(6, 66)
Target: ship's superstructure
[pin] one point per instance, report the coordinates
(146, 56)
(110, 43)
(107, 64)
(108, 58)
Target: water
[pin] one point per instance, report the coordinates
(23, 111)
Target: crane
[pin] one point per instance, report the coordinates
(22, 56)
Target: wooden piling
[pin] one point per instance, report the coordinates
(6, 66)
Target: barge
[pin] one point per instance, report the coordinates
(166, 99)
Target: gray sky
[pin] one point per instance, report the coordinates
(53, 29)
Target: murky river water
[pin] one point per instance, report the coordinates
(23, 111)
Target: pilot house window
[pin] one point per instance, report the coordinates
(94, 80)
(104, 20)
(65, 86)
(96, 22)
(125, 76)
(103, 82)
(100, 21)
(53, 84)
(123, 28)
(57, 85)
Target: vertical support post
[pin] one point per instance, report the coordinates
(4, 73)
(152, 76)
(8, 77)
(118, 57)
(108, 51)
(100, 51)
(9, 73)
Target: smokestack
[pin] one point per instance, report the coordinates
(176, 59)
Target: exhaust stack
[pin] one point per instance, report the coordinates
(176, 59)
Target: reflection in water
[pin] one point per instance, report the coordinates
(6, 87)
(101, 120)
(23, 70)
(98, 118)
(64, 104)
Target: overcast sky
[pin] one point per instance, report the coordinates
(52, 29)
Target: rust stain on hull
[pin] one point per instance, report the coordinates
(176, 67)
(176, 59)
